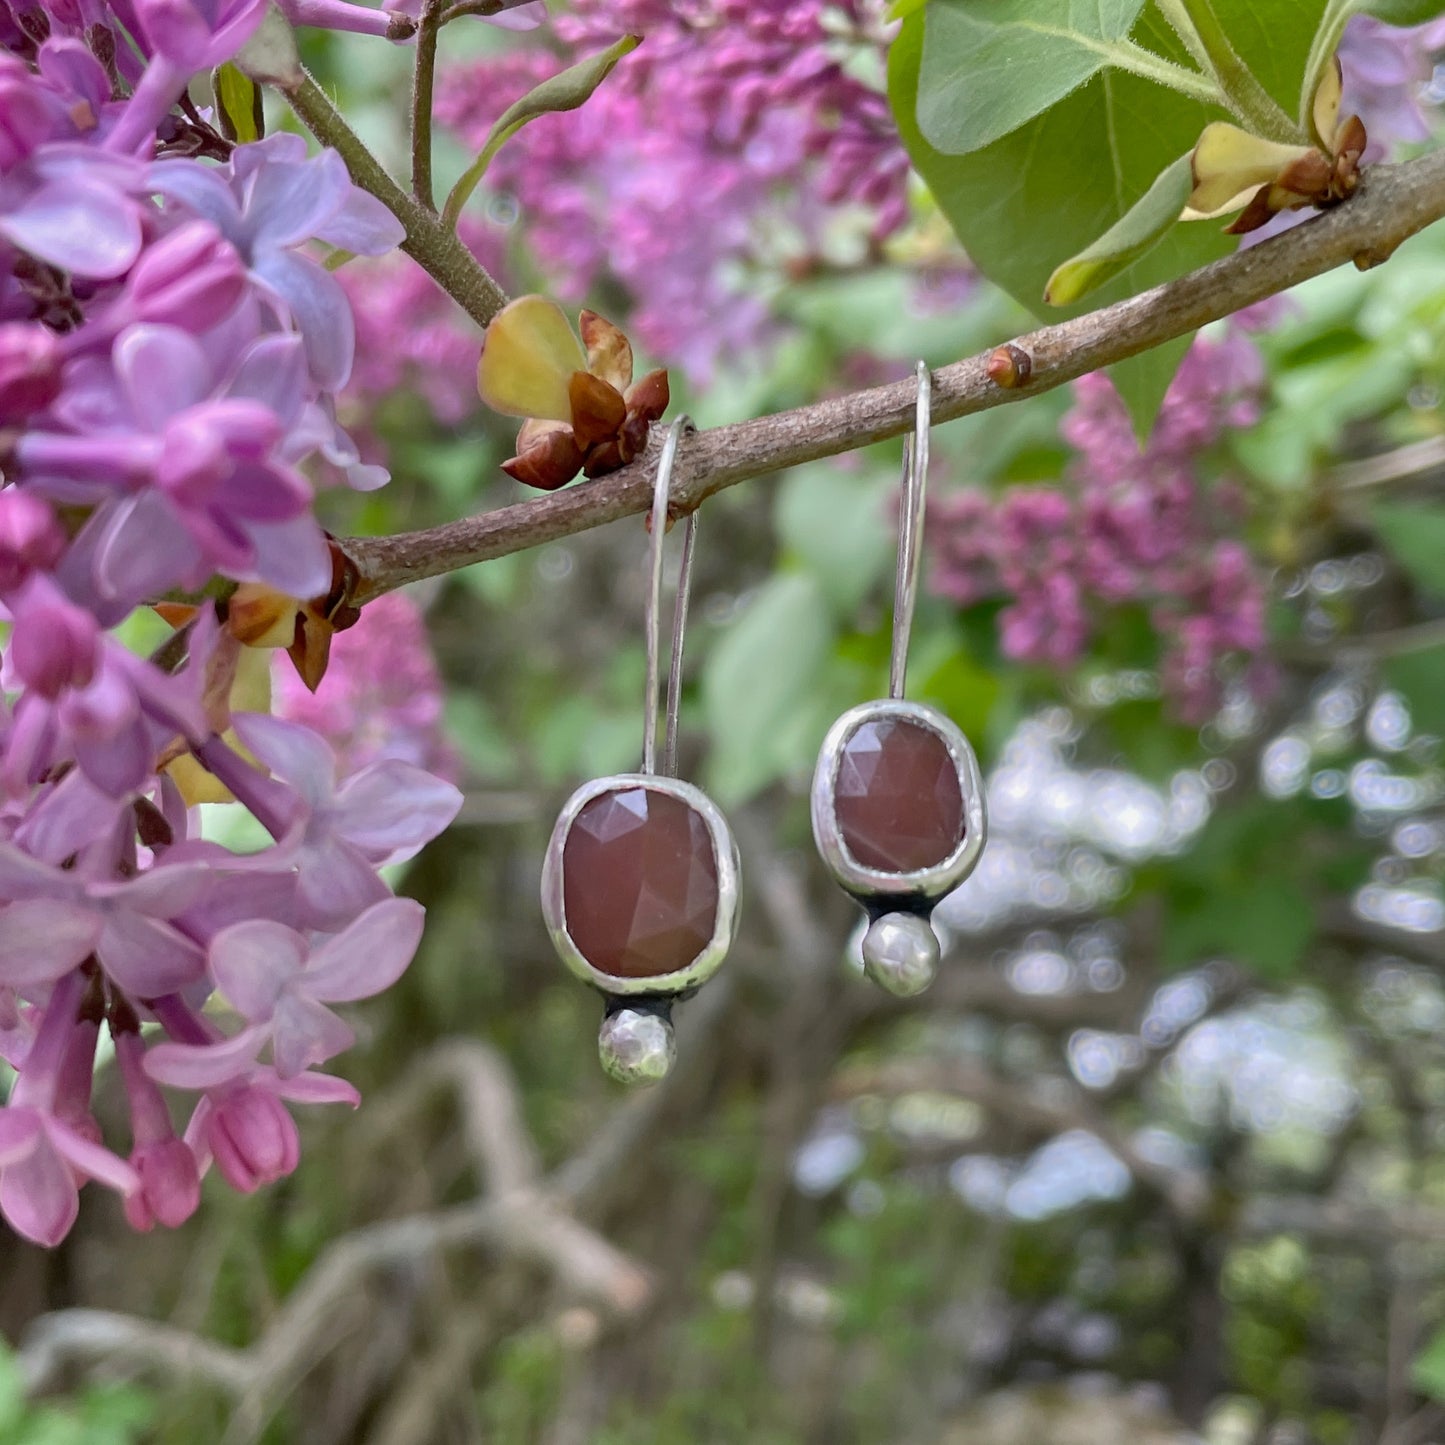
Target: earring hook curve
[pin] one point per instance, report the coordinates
(661, 492)
(910, 530)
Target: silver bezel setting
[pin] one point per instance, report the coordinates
(725, 851)
(866, 883)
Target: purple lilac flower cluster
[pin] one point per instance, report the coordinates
(382, 693)
(1385, 69)
(169, 353)
(1133, 527)
(726, 145)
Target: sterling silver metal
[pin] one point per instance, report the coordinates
(661, 491)
(635, 1043)
(725, 850)
(900, 950)
(901, 953)
(636, 1046)
(924, 885)
(910, 531)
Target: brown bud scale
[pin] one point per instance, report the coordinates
(1010, 366)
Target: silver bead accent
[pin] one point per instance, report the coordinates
(901, 953)
(636, 1047)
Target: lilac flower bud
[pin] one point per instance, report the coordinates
(252, 1138)
(30, 538)
(30, 357)
(25, 118)
(170, 1189)
(176, 29)
(191, 278)
(55, 646)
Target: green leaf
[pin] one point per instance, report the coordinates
(761, 679)
(1266, 925)
(1137, 232)
(1428, 1371)
(1053, 186)
(839, 524)
(1415, 535)
(566, 90)
(990, 65)
(1419, 677)
(238, 104)
(12, 1395)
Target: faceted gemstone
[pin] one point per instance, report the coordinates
(639, 883)
(897, 799)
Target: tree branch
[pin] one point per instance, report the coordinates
(518, 1215)
(423, 77)
(433, 246)
(1392, 204)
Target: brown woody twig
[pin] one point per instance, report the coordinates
(1393, 203)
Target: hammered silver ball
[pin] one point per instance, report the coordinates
(901, 953)
(636, 1047)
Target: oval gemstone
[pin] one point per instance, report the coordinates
(897, 797)
(639, 883)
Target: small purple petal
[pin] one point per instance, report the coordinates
(292, 556)
(160, 892)
(79, 227)
(392, 809)
(305, 1033)
(291, 202)
(42, 939)
(273, 372)
(321, 312)
(524, 17)
(148, 958)
(163, 371)
(318, 1089)
(293, 753)
(205, 1066)
(363, 225)
(369, 956)
(38, 1196)
(252, 962)
(93, 1160)
(200, 189)
(19, 1129)
(336, 883)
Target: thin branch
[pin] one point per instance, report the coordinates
(1368, 646)
(439, 252)
(423, 77)
(518, 1217)
(470, 7)
(1392, 204)
(1402, 464)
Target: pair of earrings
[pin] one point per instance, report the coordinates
(640, 878)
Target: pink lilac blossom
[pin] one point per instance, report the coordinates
(1133, 527)
(170, 350)
(381, 696)
(409, 336)
(729, 142)
(1385, 69)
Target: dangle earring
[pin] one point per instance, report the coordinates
(640, 879)
(898, 808)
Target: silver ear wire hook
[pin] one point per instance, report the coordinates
(661, 492)
(910, 531)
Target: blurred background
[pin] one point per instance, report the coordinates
(1161, 1156)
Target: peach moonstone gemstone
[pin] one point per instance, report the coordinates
(639, 883)
(897, 798)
